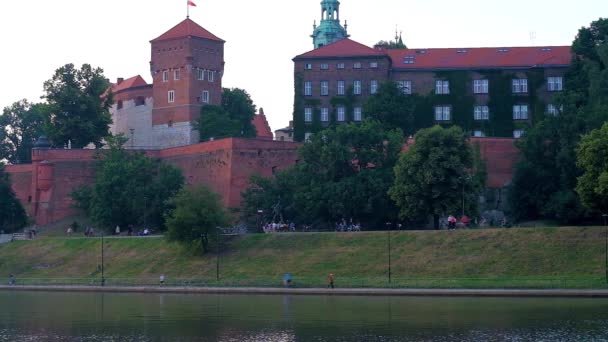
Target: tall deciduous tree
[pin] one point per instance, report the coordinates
(592, 158)
(432, 177)
(392, 107)
(12, 214)
(20, 125)
(79, 103)
(344, 172)
(197, 213)
(129, 188)
(233, 119)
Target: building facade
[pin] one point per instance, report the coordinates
(489, 92)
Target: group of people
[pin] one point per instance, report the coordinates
(278, 227)
(453, 221)
(343, 226)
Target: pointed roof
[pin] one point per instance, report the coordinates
(261, 126)
(342, 48)
(187, 28)
(135, 81)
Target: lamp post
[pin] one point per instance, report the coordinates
(103, 279)
(388, 246)
(606, 246)
(217, 250)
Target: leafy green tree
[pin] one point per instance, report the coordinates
(12, 214)
(79, 103)
(434, 174)
(197, 213)
(233, 119)
(20, 126)
(392, 107)
(129, 188)
(344, 172)
(592, 158)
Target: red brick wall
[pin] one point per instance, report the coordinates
(21, 182)
(500, 155)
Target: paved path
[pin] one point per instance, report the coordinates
(322, 291)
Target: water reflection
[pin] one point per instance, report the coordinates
(42, 316)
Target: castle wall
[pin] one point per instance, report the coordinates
(134, 120)
(21, 182)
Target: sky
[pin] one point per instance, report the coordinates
(262, 37)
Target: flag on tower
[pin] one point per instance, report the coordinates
(190, 3)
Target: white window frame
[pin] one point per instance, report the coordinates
(307, 114)
(520, 85)
(165, 75)
(324, 66)
(324, 114)
(210, 75)
(341, 114)
(520, 112)
(176, 75)
(200, 74)
(341, 88)
(357, 114)
(307, 137)
(373, 87)
(480, 86)
(205, 96)
(308, 66)
(518, 133)
(553, 110)
(405, 86)
(357, 87)
(171, 96)
(442, 87)
(555, 83)
(340, 66)
(357, 65)
(481, 113)
(443, 113)
(478, 134)
(324, 88)
(307, 88)
(373, 65)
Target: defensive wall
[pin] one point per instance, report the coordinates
(225, 165)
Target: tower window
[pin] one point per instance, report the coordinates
(200, 74)
(205, 96)
(165, 76)
(210, 75)
(140, 101)
(171, 96)
(176, 74)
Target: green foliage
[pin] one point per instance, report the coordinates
(12, 214)
(432, 177)
(232, 119)
(20, 126)
(344, 172)
(392, 108)
(198, 212)
(79, 104)
(391, 44)
(592, 158)
(129, 188)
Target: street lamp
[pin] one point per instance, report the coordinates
(103, 279)
(606, 246)
(388, 224)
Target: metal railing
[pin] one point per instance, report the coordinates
(315, 282)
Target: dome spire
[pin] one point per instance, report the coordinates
(329, 29)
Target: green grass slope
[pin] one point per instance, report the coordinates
(494, 253)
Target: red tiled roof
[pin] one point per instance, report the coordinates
(343, 48)
(135, 81)
(187, 28)
(487, 57)
(261, 126)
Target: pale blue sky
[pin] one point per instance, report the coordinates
(38, 36)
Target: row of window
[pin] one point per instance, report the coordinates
(341, 65)
(340, 114)
(480, 113)
(442, 87)
(517, 133)
(201, 75)
(204, 98)
(341, 88)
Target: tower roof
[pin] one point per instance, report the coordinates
(187, 28)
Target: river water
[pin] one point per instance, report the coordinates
(58, 316)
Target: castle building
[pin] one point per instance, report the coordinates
(186, 64)
(489, 91)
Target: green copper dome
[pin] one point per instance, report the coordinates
(329, 29)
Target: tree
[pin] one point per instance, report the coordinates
(344, 172)
(20, 126)
(393, 44)
(233, 119)
(79, 103)
(434, 174)
(12, 214)
(392, 107)
(129, 188)
(198, 212)
(592, 158)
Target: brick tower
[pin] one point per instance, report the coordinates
(187, 64)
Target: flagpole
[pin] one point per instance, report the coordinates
(187, 10)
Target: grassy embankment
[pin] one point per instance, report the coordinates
(357, 259)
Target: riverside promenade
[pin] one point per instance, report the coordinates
(582, 293)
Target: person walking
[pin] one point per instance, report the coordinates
(330, 280)
(117, 230)
(162, 279)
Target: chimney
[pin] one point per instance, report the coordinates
(261, 111)
(290, 123)
(119, 80)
